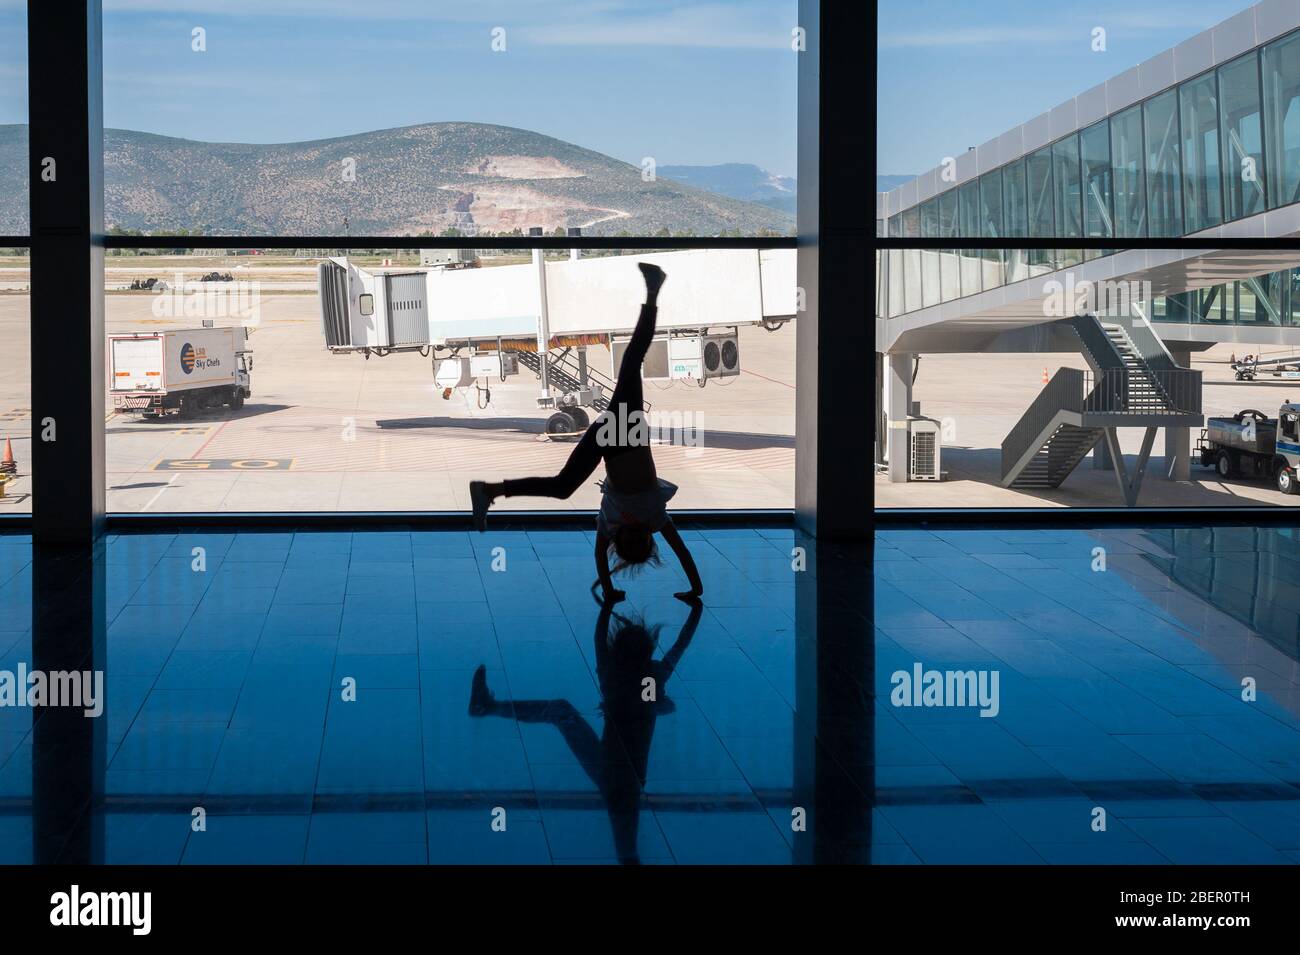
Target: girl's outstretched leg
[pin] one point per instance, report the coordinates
(582, 462)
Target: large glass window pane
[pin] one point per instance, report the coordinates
(1015, 218)
(15, 290)
(896, 226)
(911, 280)
(1280, 67)
(1015, 212)
(897, 281)
(930, 219)
(912, 222)
(1164, 184)
(968, 217)
(948, 213)
(991, 206)
(1211, 305)
(931, 277)
(1094, 160)
(1174, 308)
(514, 155)
(1243, 147)
(949, 275)
(1038, 178)
(949, 272)
(1038, 175)
(276, 420)
(1068, 186)
(1127, 169)
(1261, 300)
(1202, 183)
(1094, 152)
(930, 281)
(16, 375)
(990, 226)
(968, 209)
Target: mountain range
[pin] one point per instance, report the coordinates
(471, 177)
(739, 181)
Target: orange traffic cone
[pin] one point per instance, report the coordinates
(1044, 374)
(7, 464)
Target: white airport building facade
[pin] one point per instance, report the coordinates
(1201, 142)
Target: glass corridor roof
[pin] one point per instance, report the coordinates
(1212, 148)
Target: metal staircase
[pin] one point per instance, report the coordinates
(567, 374)
(1060, 454)
(1131, 384)
(1143, 387)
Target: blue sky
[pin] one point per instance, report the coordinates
(956, 73)
(683, 82)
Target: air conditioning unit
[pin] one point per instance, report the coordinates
(721, 354)
(686, 358)
(923, 447)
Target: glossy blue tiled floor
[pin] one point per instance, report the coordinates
(1120, 689)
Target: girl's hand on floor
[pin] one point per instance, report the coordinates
(614, 596)
(690, 596)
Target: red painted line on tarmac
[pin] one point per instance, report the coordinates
(772, 380)
(212, 437)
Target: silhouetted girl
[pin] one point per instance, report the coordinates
(633, 499)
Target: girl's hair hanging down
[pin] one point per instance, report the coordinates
(632, 551)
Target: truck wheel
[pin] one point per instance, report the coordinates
(581, 421)
(1225, 465)
(237, 402)
(1286, 480)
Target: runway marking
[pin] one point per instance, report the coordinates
(224, 464)
(153, 500)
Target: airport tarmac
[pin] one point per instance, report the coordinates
(326, 432)
(981, 397)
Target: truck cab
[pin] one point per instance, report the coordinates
(1288, 447)
(1253, 443)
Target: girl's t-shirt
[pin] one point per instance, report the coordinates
(618, 508)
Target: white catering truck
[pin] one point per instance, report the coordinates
(179, 372)
(1252, 442)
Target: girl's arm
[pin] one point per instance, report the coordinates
(602, 569)
(683, 641)
(674, 539)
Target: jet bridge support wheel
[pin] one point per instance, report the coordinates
(561, 426)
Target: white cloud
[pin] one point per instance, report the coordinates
(748, 25)
(973, 36)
